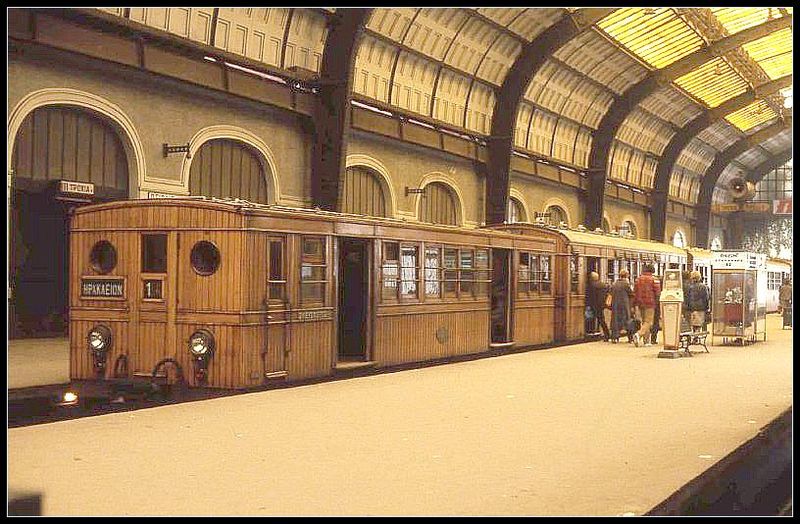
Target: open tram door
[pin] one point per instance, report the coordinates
(593, 264)
(354, 299)
(501, 334)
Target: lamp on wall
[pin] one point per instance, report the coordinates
(168, 150)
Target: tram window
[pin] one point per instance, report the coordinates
(467, 275)
(544, 274)
(612, 270)
(433, 286)
(205, 258)
(277, 272)
(409, 271)
(154, 253)
(313, 270)
(450, 272)
(524, 274)
(390, 272)
(103, 257)
(483, 275)
(574, 279)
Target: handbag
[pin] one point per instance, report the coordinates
(608, 301)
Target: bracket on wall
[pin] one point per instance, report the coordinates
(415, 191)
(168, 150)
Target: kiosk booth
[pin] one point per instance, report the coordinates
(739, 297)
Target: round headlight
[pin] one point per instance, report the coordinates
(99, 338)
(201, 343)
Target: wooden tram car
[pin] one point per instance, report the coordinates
(240, 295)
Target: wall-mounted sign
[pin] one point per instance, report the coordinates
(92, 287)
(782, 207)
(154, 194)
(756, 207)
(76, 188)
(323, 314)
(725, 208)
(738, 260)
(153, 289)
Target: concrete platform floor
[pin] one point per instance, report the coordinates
(591, 429)
(37, 362)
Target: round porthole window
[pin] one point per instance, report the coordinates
(205, 258)
(103, 257)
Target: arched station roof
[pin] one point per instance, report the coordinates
(648, 98)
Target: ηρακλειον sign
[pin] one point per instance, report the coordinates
(102, 287)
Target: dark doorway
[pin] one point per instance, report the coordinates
(39, 279)
(592, 265)
(353, 298)
(501, 296)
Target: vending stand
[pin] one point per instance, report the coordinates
(739, 297)
(671, 303)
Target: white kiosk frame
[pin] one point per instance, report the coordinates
(739, 297)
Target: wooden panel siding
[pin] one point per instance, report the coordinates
(412, 338)
(362, 193)
(227, 168)
(63, 143)
(533, 322)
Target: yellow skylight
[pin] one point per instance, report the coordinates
(735, 19)
(755, 114)
(773, 53)
(713, 82)
(658, 36)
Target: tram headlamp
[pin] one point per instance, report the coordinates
(201, 343)
(99, 339)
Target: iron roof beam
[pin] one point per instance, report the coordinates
(332, 112)
(666, 165)
(713, 173)
(528, 62)
(764, 168)
(625, 104)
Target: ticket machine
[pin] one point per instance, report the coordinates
(671, 312)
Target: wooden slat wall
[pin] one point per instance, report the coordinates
(409, 337)
(362, 193)
(533, 321)
(438, 205)
(312, 349)
(63, 143)
(227, 168)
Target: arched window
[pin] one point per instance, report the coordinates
(628, 228)
(716, 244)
(606, 225)
(67, 143)
(557, 215)
(438, 205)
(516, 212)
(362, 193)
(226, 168)
(678, 239)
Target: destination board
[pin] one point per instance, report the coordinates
(102, 287)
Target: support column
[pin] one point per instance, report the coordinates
(332, 114)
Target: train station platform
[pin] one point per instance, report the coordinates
(588, 429)
(38, 362)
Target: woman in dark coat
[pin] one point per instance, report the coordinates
(621, 295)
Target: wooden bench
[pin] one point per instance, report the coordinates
(687, 339)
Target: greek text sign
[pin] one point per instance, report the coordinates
(102, 287)
(79, 188)
(314, 315)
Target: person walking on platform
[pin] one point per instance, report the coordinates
(621, 296)
(656, 327)
(645, 295)
(597, 301)
(785, 302)
(697, 302)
